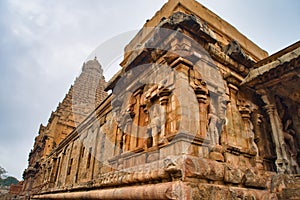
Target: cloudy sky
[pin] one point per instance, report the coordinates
(44, 43)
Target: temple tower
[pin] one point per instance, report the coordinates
(82, 98)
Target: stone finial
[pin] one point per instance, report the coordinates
(92, 65)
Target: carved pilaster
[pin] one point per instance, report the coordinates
(202, 94)
(164, 99)
(52, 172)
(245, 112)
(119, 141)
(229, 109)
(202, 97)
(126, 135)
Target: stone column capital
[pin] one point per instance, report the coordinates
(164, 94)
(270, 108)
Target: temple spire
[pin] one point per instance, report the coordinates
(82, 98)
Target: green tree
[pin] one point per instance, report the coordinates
(2, 172)
(9, 180)
(6, 181)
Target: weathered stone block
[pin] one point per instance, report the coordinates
(253, 179)
(233, 175)
(232, 159)
(203, 168)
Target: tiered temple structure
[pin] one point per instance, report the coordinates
(79, 102)
(197, 111)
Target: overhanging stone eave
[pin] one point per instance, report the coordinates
(277, 55)
(255, 75)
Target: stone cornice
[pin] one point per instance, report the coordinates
(281, 66)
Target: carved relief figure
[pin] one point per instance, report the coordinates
(127, 124)
(217, 118)
(246, 110)
(155, 100)
(257, 120)
(252, 142)
(157, 120)
(223, 101)
(126, 136)
(289, 134)
(212, 126)
(288, 131)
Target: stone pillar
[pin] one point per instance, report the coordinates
(277, 133)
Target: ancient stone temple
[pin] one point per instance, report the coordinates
(197, 111)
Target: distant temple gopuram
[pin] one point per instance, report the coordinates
(197, 111)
